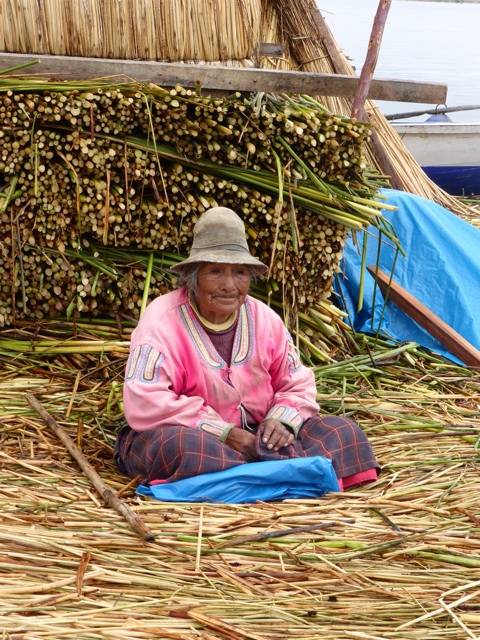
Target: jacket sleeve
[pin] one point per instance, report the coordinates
(294, 386)
(150, 401)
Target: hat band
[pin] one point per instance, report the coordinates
(220, 247)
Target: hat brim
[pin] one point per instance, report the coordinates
(223, 257)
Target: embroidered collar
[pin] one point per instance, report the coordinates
(229, 322)
(244, 337)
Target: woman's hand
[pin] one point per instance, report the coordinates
(242, 441)
(275, 434)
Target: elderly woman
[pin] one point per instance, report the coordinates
(213, 379)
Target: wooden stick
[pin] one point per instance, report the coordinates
(106, 493)
(325, 36)
(436, 327)
(368, 68)
(268, 535)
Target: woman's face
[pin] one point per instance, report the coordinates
(222, 290)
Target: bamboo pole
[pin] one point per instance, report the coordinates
(106, 493)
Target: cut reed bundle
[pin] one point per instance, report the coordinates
(211, 32)
(96, 175)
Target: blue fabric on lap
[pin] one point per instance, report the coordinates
(271, 480)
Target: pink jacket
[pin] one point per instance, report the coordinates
(174, 375)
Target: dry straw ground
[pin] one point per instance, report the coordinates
(399, 559)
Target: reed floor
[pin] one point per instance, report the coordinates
(399, 559)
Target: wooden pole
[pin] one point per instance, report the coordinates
(338, 63)
(106, 493)
(268, 535)
(435, 326)
(368, 68)
(433, 112)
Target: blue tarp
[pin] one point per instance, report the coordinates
(271, 480)
(442, 270)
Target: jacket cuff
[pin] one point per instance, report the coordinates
(225, 432)
(288, 416)
(218, 429)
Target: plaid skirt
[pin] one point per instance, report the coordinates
(173, 453)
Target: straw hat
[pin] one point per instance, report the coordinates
(219, 236)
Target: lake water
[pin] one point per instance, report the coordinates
(423, 41)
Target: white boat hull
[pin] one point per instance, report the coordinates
(449, 152)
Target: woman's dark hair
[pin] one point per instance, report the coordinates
(188, 277)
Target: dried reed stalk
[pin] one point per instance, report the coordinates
(402, 561)
(150, 29)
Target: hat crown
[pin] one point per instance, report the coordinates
(218, 227)
(219, 236)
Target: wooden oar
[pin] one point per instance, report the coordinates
(451, 340)
(106, 493)
(433, 112)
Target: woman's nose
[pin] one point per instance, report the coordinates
(228, 281)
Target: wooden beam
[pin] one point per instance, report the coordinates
(436, 327)
(270, 50)
(226, 79)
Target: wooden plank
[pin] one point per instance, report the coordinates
(436, 327)
(223, 78)
(270, 50)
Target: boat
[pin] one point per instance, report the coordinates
(448, 152)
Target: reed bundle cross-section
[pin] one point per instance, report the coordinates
(99, 179)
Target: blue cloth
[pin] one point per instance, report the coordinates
(442, 270)
(271, 480)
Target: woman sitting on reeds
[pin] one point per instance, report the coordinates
(213, 379)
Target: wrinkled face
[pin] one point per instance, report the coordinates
(221, 290)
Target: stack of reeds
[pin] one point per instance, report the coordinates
(102, 185)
